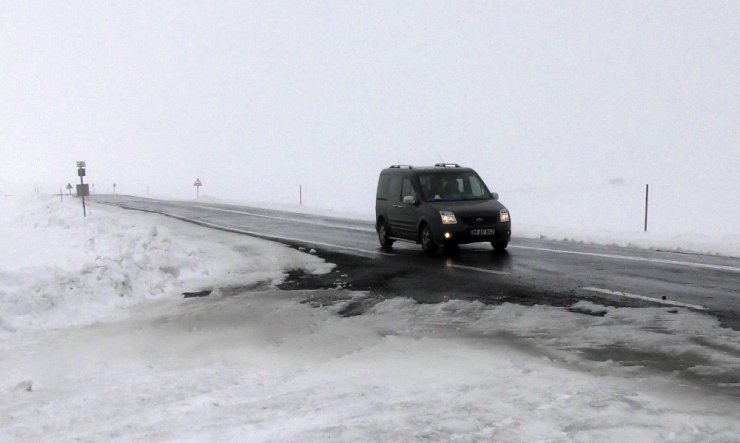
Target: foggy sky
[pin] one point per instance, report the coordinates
(255, 98)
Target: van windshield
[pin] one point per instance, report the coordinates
(452, 186)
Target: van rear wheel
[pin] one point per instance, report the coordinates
(383, 237)
(499, 245)
(427, 240)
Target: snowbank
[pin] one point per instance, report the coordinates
(58, 268)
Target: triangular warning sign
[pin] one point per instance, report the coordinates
(197, 182)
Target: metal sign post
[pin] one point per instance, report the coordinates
(197, 185)
(81, 174)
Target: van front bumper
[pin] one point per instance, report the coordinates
(462, 234)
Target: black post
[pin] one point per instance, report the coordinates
(300, 195)
(646, 206)
(82, 193)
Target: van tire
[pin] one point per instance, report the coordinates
(427, 239)
(499, 245)
(383, 237)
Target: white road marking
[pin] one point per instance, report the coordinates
(288, 219)
(472, 268)
(633, 258)
(533, 248)
(317, 243)
(642, 297)
(276, 237)
(559, 251)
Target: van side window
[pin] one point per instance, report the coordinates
(426, 184)
(476, 187)
(407, 189)
(383, 183)
(394, 189)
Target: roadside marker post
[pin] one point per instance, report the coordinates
(81, 188)
(646, 206)
(197, 185)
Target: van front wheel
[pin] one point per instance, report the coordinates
(427, 240)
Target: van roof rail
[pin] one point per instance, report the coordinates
(401, 166)
(447, 165)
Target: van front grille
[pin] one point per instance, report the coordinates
(479, 221)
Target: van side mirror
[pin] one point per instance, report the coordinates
(409, 199)
(494, 195)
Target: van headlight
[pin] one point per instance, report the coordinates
(504, 216)
(448, 218)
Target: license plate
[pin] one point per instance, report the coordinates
(482, 231)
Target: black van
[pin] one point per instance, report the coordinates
(441, 205)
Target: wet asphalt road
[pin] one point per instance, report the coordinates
(532, 271)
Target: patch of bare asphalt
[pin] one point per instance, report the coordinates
(428, 280)
(384, 279)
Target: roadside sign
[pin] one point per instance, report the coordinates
(197, 182)
(83, 190)
(80, 164)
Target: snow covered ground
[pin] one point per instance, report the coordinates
(98, 343)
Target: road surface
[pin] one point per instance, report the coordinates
(532, 271)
